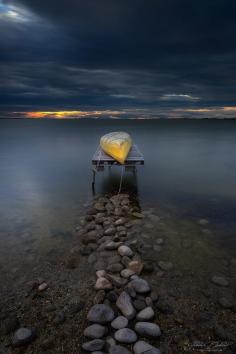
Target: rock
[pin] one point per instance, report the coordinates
(114, 259)
(219, 280)
(117, 280)
(203, 221)
(101, 273)
(112, 296)
(93, 345)
(142, 347)
(149, 301)
(23, 336)
(148, 329)
(86, 250)
(125, 251)
(140, 285)
(165, 265)
(127, 273)
(118, 349)
(146, 314)
(225, 303)
(42, 287)
(100, 313)
(136, 266)
(95, 331)
(125, 260)
(138, 215)
(110, 231)
(125, 335)
(110, 341)
(157, 248)
(120, 221)
(125, 305)
(154, 296)
(119, 322)
(99, 265)
(110, 246)
(99, 207)
(103, 284)
(59, 318)
(130, 290)
(92, 258)
(99, 297)
(115, 268)
(139, 304)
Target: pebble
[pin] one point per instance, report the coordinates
(118, 349)
(100, 313)
(115, 268)
(142, 347)
(148, 329)
(117, 280)
(42, 286)
(140, 285)
(125, 260)
(125, 251)
(165, 265)
(93, 345)
(136, 266)
(99, 297)
(112, 296)
(103, 284)
(225, 303)
(101, 273)
(219, 280)
(160, 241)
(125, 335)
(203, 222)
(154, 296)
(110, 231)
(112, 245)
(146, 314)
(23, 336)
(125, 305)
(95, 331)
(138, 215)
(119, 322)
(139, 304)
(120, 221)
(127, 273)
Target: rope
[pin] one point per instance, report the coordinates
(121, 178)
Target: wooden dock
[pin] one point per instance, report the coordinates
(100, 160)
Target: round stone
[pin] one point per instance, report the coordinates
(101, 273)
(100, 313)
(146, 314)
(140, 285)
(23, 336)
(95, 331)
(165, 265)
(103, 284)
(119, 322)
(93, 345)
(118, 349)
(142, 347)
(125, 335)
(125, 305)
(42, 287)
(127, 273)
(125, 251)
(220, 280)
(148, 329)
(136, 266)
(115, 268)
(139, 304)
(225, 303)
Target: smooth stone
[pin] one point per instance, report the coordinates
(148, 329)
(93, 345)
(103, 284)
(125, 251)
(119, 322)
(160, 241)
(136, 266)
(125, 335)
(149, 301)
(112, 245)
(115, 268)
(23, 336)
(125, 260)
(42, 287)
(110, 231)
(100, 273)
(117, 280)
(110, 341)
(114, 259)
(220, 280)
(142, 347)
(112, 296)
(140, 285)
(95, 331)
(100, 313)
(127, 273)
(154, 296)
(145, 314)
(125, 305)
(165, 265)
(118, 349)
(225, 303)
(138, 215)
(120, 221)
(139, 304)
(99, 297)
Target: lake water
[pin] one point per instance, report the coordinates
(45, 172)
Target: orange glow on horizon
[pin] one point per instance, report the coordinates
(69, 114)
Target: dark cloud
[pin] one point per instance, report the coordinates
(163, 54)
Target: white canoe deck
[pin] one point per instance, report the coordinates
(135, 157)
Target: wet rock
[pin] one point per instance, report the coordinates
(95, 331)
(125, 251)
(142, 347)
(146, 314)
(119, 322)
(148, 329)
(115, 268)
(140, 285)
(127, 273)
(139, 304)
(99, 297)
(42, 286)
(118, 349)
(110, 231)
(100, 313)
(165, 265)
(125, 335)
(103, 284)
(225, 303)
(219, 280)
(23, 336)
(93, 345)
(136, 266)
(125, 305)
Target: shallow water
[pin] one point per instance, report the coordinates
(45, 169)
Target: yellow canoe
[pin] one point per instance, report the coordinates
(117, 145)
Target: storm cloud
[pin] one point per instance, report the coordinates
(165, 58)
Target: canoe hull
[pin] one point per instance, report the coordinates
(116, 145)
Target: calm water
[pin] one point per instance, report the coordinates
(45, 176)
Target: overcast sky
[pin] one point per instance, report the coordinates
(118, 58)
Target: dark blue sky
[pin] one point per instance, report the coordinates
(118, 58)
